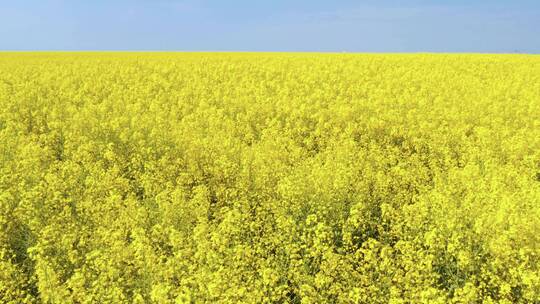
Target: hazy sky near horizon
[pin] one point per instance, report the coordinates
(487, 26)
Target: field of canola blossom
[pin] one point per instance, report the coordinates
(269, 178)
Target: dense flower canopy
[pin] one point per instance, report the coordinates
(269, 178)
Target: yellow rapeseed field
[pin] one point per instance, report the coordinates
(269, 178)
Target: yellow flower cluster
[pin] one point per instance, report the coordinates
(269, 178)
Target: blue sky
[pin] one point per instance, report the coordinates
(487, 26)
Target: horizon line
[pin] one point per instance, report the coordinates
(263, 52)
